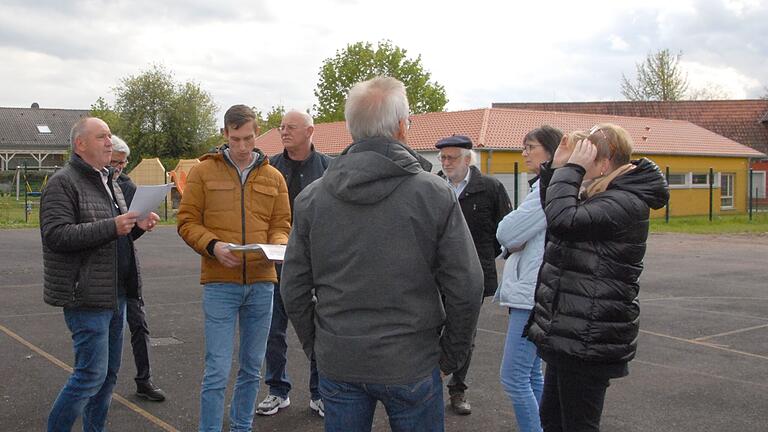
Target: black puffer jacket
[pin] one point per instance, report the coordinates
(79, 238)
(484, 203)
(586, 298)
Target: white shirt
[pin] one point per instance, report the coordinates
(459, 188)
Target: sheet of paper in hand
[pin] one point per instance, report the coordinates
(273, 252)
(148, 198)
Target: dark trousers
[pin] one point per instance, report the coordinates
(137, 323)
(572, 402)
(458, 382)
(276, 376)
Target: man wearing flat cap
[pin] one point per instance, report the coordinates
(484, 202)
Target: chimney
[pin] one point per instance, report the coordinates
(35, 105)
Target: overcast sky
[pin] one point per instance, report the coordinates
(65, 54)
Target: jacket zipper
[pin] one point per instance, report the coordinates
(242, 208)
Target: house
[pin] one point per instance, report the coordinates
(37, 137)
(744, 121)
(687, 150)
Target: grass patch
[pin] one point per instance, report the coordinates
(12, 212)
(718, 225)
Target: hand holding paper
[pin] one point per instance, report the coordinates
(148, 198)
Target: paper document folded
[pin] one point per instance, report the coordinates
(273, 252)
(148, 198)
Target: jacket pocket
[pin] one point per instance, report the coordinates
(220, 195)
(263, 199)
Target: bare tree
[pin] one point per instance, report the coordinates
(659, 78)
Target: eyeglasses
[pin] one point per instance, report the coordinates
(290, 128)
(527, 148)
(446, 158)
(117, 163)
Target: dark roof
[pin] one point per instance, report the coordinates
(744, 121)
(504, 129)
(18, 128)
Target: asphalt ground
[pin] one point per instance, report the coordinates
(702, 363)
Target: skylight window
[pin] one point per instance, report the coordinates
(43, 129)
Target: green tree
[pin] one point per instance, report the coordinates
(159, 117)
(102, 110)
(271, 120)
(659, 78)
(361, 61)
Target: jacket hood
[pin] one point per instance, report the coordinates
(219, 154)
(369, 170)
(646, 181)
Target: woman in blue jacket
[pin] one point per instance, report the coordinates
(522, 234)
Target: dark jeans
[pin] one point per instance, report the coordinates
(276, 376)
(572, 402)
(415, 407)
(137, 324)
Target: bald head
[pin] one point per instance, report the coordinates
(92, 141)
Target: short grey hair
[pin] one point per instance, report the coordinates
(375, 108)
(308, 121)
(77, 130)
(118, 145)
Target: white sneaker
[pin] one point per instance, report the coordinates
(272, 404)
(317, 406)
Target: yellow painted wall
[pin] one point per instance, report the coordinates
(683, 202)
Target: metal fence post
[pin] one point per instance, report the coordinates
(711, 190)
(517, 186)
(666, 208)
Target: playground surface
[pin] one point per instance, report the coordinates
(701, 364)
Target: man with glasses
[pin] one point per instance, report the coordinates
(134, 308)
(300, 164)
(484, 203)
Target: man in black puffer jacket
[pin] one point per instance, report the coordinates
(87, 232)
(586, 319)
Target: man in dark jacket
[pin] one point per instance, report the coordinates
(134, 309)
(379, 240)
(300, 164)
(86, 231)
(484, 203)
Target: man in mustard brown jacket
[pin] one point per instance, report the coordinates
(234, 196)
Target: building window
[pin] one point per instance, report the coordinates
(43, 129)
(677, 180)
(698, 179)
(726, 190)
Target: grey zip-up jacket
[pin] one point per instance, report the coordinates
(379, 240)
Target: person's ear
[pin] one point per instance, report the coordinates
(402, 132)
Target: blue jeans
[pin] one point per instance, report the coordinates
(416, 406)
(521, 374)
(276, 376)
(223, 305)
(97, 339)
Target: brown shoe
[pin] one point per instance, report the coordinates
(459, 404)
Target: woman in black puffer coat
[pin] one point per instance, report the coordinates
(585, 321)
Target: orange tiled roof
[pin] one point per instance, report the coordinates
(744, 121)
(495, 128)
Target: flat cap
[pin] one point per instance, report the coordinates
(455, 141)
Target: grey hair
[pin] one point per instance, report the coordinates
(467, 152)
(308, 121)
(77, 130)
(375, 108)
(118, 145)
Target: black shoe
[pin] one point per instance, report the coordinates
(149, 391)
(459, 404)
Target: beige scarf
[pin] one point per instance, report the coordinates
(600, 184)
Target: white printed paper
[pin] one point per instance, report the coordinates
(148, 198)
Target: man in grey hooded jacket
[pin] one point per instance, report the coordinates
(379, 240)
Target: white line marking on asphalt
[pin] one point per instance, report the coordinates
(731, 332)
(705, 344)
(130, 405)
